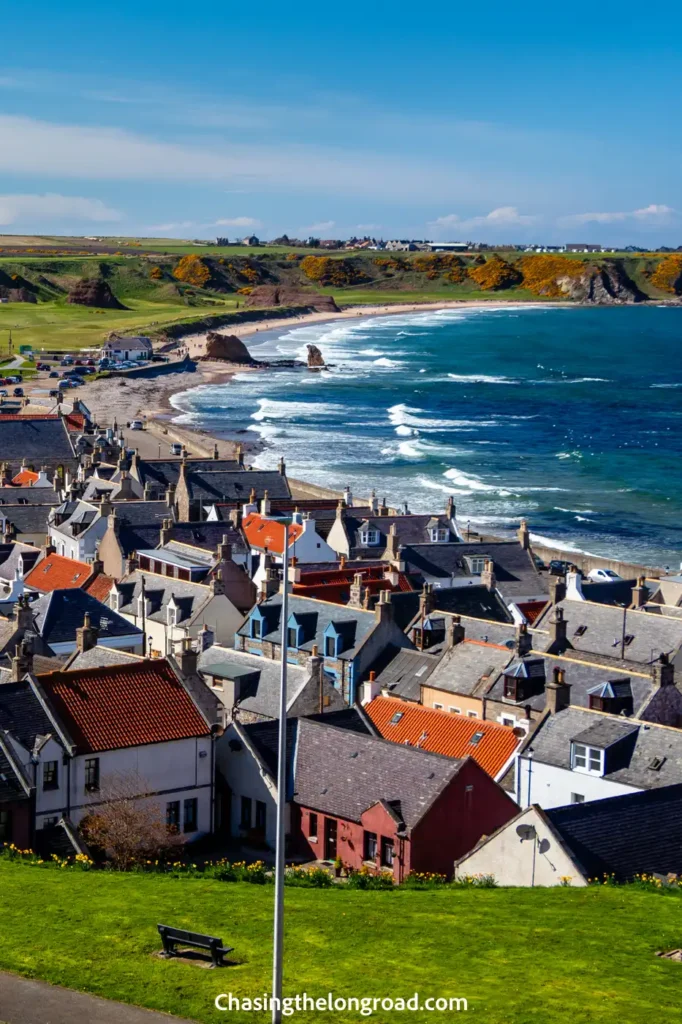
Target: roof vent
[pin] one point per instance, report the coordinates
(656, 763)
(580, 631)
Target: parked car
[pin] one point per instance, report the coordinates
(176, 448)
(136, 425)
(18, 392)
(54, 373)
(559, 567)
(3, 393)
(603, 576)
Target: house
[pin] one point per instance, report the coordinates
(127, 347)
(127, 527)
(200, 488)
(169, 609)
(248, 686)
(65, 735)
(358, 797)
(620, 836)
(577, 755)
(492, 746)
(37, 441)
(462, 675)
(582, 247)
(156, 476)
(349, 639)
(32, 478)
(250, 240)
(76, 528)
(59, 615)
(24, 519)
(629, 638)
(357, 583)
(54, 572)
(265, 533)
(378, 535)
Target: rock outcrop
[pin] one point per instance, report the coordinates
(604, 286)
(93, 292)
(274, 295)
(315, 359)
(228, 348)
(17, 294)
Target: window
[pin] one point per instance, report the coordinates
(246, 812)
(330, 647)
(438, 707)
(476, 739)
(396, 717)
(190, 818)
(577, 798)
(587, 759)
(312, 828)
(386, 852)
(92, 775)
(50, 822)
(438, 535)
(368, 537)
(172, 613)
(5, 826)
(261, 812)
(292, 636)
(256, 629)
(477, 564)
(455, 711)
(370, 846)
(472, 714)
(173, 816)
(511, 722)
(50, 775)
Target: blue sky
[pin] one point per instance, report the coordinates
(497, 122)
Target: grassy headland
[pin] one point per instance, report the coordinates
(521, 955)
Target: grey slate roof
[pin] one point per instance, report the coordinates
(638, 833)
(617, 593)
(581, 677)
(139, 523)
(60, 613)
(515, 570)
(639, 743)
(22, 714)
(259, 678)
(209, 485)
(13, 782)
(403, 671)
(410, 529)
(189, 597)
(20, 557)
(39, 441)
(28, 496)
(343, 772)
(315, 616)
(98, 656)
(207, 536)
(468, 667)
(606, 625)
(28, 519)
(80, 514)
(474, 600)
(162, 472)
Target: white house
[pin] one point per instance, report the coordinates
(266, 534)
(131, 347)
(77, 527)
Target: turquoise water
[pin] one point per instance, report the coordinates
(571, 417)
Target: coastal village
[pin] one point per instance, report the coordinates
(457, 704)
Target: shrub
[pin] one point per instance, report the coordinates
(540, 272)
(475, 882)
(193, 270)
(495, 274)
(308, 878)
(668, 275)
(327, 271)
(366, 879)
(424, 880)
(156, 273)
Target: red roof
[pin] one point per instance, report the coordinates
(334, 584)
(28, 416)
(443, 732)
(55, 572)
(75, 420)
(99, 586)
(25, 478)
(262, 532)
(127, 705)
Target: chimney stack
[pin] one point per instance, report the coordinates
(86, 636)
(451, 508)
(455, 631)
(240, 455)
(523, 535)
(384, 609)
(281, 466)
(224, 551)
(170, 496)
(557, 631)
(147, 493)
(347, 496)
(356, 591)
(188, 658)
(391, 552)
(370, 689)
(426, 602)
(557, 589)
(663, 672)
(24, 614)
(216, 453)
(373, 502)
(165, 531)
(488, 575)
(524, 641)
(557, 692)
(265, 505)
(640, 594)
(22, 662)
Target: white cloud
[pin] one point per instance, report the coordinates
(52, 206)
(238, 222)
(652, 212)
(501, 217)
(367, 227)
(173, 226)
(314, 229)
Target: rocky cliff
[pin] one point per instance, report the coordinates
(273, 295)
(604, 286)
(93, 292)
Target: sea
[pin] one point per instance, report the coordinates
(570, 417)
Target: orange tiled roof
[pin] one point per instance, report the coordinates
(129, 705)
(442, 732)
(262, 532)
(25, 478)
(28, 416)
(74, 420)
(55, 572)
(99, 586)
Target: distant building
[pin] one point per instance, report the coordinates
(134, 347)
(582, 247)
(400, 245)
(251, 240)
(448, 246)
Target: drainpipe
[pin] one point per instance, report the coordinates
(530, 771)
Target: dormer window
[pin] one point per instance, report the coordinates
(114, 600)
(589, 760)
(330, 646)
(292, 636)
(438, 535)
(369, 536)
(172, 612)
(476, 564)
(256, 625)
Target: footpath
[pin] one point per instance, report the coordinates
(23, 1001)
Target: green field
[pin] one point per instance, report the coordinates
(518, 956)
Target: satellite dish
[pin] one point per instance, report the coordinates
(520, 732)
(526, 832)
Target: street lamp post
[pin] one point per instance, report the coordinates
(278, 946)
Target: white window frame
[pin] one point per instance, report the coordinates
(593, 758)
(472, 714)
(438, 535)
(369, 536)
(510, 723)
(437, 707)
(455, 711)
(477, 564)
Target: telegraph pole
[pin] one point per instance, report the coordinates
(278, 945)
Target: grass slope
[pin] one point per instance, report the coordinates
(521, 956)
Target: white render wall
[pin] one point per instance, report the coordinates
(512, 861)
(551, 786)
(242, 772)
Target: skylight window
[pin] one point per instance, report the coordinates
(476, 739)
(580, 631)
(396, 717)
(628, 638)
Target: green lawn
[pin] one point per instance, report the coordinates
(517, 956)
(55, 325)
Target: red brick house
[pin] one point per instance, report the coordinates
(370, 802)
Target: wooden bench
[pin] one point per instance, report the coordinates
(171, 937)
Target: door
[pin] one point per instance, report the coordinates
(329, 838)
